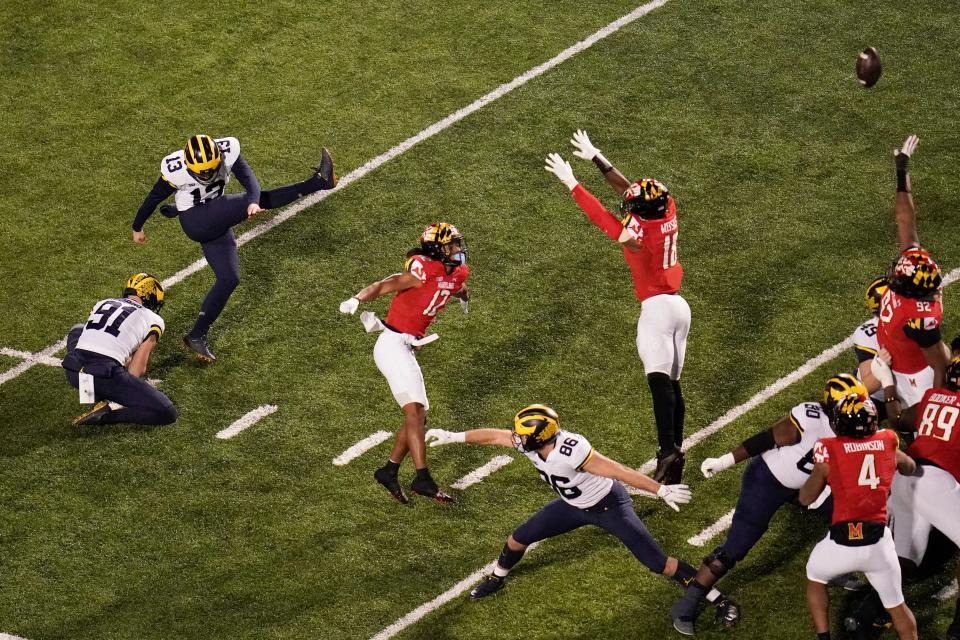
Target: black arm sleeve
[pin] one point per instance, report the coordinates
(760, 442)
(160, 192)
(245, 176)
(923, 337)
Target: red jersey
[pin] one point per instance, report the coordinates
(900, 315)
(938, 434)
(654, 268)
(861, 471)
(412, 310)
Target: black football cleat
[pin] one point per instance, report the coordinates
(325, 170)
(728, 612)
(491, 584)
(391, 484)
(683, 616)
(199, 348)
(953, 632)
(94, 415)
(848, 582)
(427, 488)
(669, 467)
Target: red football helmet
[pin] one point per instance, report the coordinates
(915, 274)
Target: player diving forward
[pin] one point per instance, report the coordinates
(781, 459)
(107, 357)
(647, 232)
(858, 464)
(584, 480)
(198, 174)
(434, 272)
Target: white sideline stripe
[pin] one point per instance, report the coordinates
(247, 421)
(34, 359)
(442, 599)
(26, 355)
(947, 592)
(10, 636)
(707, 534)
(361, 447)
(480, 473)
(388, 155)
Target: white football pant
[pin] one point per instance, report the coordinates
(396, 360)
(910, 388)
(878, 561)
(919, 503)
(662, 334)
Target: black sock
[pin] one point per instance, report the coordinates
(684, 574)
(823, 636)
(956, 615)
(424, 474)
(664, 409)
(508, 558)
(678, 414)
(392, 467)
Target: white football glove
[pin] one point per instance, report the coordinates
(713, 466)
(465, 305)
(909, 146)
(881, 371)
(674, 495)
(370, 321)
(562, 169)
(585, 148)
(437, 437)
(349, 306)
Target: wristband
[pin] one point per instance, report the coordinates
(902, 185)
(602, 163)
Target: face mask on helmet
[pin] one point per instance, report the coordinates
(534, 427)
(443, 241)
(147, 288)
(915, 275)
(646, 199)
(203, 158)
(855, 416)
(874, 293)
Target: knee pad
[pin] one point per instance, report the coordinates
(719, 562)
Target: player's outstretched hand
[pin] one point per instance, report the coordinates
(349, 306)
(713, 466)
(674, 495)
(560, 168)
(902, 155)
(139, 237)
(437, 437)
(585, 148)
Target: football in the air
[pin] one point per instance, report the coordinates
(868, 67)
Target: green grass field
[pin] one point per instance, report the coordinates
(782, 169)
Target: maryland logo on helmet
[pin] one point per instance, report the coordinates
(539, 423)
(915, 274)
(855, 416)
(953, 375)
(874, 293)
(203, 157)
(646, 198)
(442, 240)
(147, 288)
(837, 388)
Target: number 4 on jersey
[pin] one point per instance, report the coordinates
(868, 473)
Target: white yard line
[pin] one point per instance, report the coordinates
(707, 534)
(361, 447)
(10, 636)
(480, 473)
(247, 421)
(34, 359)
(26, 355)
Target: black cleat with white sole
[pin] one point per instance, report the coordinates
(491, 584)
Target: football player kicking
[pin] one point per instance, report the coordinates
(781, 459)
(434, 272)
(911, 311)
(198, 174)
(584, 481)
(647, 232)
(931, 498)
(107, 357)
(858, 464)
